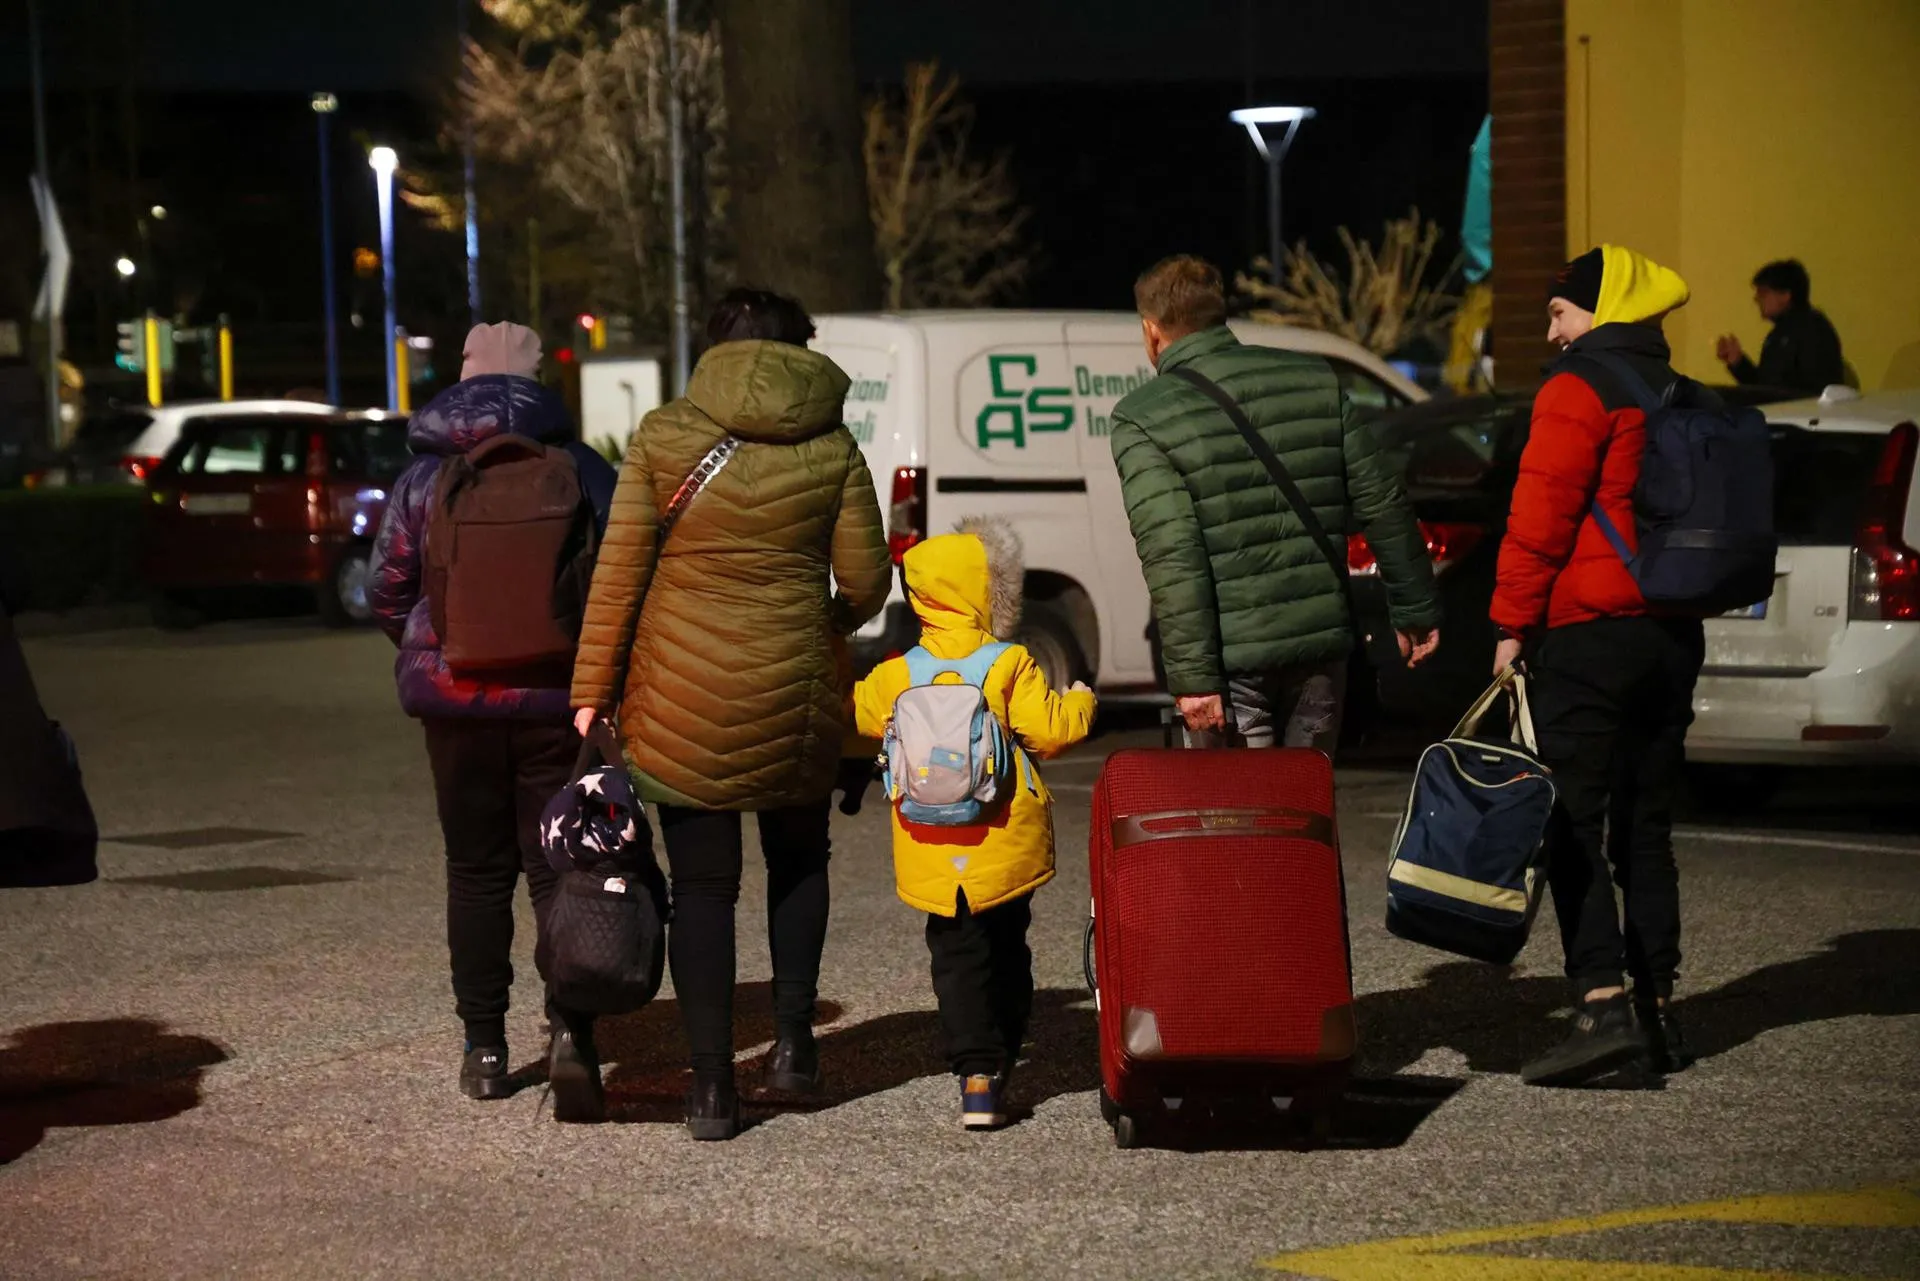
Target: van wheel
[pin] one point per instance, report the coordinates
(343, 597)
(1733, 789)
(1048, 636)
(175, 611)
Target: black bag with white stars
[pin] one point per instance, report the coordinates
(607, 926)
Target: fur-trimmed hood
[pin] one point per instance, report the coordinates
(972, 578)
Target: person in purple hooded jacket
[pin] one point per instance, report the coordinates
(498, 753)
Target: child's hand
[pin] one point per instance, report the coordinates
(1079, 687)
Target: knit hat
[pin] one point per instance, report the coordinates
(1579, 281)
(505, 348)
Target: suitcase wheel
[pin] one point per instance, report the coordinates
(1126, 1131)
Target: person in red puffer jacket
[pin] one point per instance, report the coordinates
(1611, 683)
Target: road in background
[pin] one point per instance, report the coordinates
(235, 1055)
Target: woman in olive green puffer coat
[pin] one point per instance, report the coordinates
(718, 651)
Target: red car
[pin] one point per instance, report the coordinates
(272, 500)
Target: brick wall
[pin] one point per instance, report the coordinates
(1527, 93)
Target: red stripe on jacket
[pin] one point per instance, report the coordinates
(1556, 567)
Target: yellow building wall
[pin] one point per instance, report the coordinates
(1717, 135)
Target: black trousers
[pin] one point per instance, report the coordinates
(704, 860)
(491, 779)
(1612, 701)
(983, 977)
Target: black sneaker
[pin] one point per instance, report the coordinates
(794, 1065)
(1606, 1037)
(1667, 1050)
(573, 1075)
(484, 1072)
(713, 1109)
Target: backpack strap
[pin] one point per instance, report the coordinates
(1622, 372)
(923, 668)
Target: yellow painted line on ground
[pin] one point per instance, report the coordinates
(1438, 1258)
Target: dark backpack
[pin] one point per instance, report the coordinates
(1703, 506)
(510, 547)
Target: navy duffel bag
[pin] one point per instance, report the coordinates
(1467, 870)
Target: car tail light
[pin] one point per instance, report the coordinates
(1886, 572)
(141, 468)
(1448, 543)
(907, 517)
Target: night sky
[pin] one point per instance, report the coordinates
(1113, 111)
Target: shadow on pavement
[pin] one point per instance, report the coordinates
(109, 1072)
(1874, 972)
(1499, 1022)
(646, 1055)
(646, 1072)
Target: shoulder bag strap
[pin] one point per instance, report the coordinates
(698, 479)
(1302, 510)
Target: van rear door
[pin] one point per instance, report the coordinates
(886, 412)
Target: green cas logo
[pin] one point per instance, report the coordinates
(1018, 408)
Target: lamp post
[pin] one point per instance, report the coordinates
(384, 162)
(324, 105)
(1264, 126)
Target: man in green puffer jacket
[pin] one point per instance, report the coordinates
(1251, 612)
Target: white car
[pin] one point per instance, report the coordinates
(125, 444)
(1827, 671)
(1007, 413)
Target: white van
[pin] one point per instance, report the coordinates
(1007, 413)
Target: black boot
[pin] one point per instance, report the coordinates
(794, 1065)
(484, 1072)
(713, 1108)
(573, 1074)
(1667, 1050)
(1606, 1037)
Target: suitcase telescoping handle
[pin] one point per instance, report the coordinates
(1513, 681)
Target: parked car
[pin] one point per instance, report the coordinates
(1827, 670)
(123, 444)
(1007, 413)
(271, 499)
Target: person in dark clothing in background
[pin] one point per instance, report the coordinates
(1802, 352)
(498, 752)
(1611, 683)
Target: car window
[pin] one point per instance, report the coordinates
(1475, 447)
(1369, 396)
(376, 450)
(243, 446)
(1820, 482)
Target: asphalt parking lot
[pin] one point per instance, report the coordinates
(235, 1054)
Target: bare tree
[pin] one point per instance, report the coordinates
(583, 106)
(794, 151)
(947, 227)
(1384, 298)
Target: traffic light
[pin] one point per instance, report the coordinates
(132, 355)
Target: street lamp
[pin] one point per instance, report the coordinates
(384, 162)
(1264, 126)
(125, 267)
(159, 213)
(324, 105)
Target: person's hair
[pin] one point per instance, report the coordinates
(746, 314)
(1786, 276)
(1182, 294)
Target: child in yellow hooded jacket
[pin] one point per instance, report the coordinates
(976, 882)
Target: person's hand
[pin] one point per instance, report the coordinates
(1079, 687)
(1505, 655)
(1728, 350)
(1417, 646)
(583, 720)
(1203, 712)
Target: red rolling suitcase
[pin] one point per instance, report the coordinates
(1219, 932)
